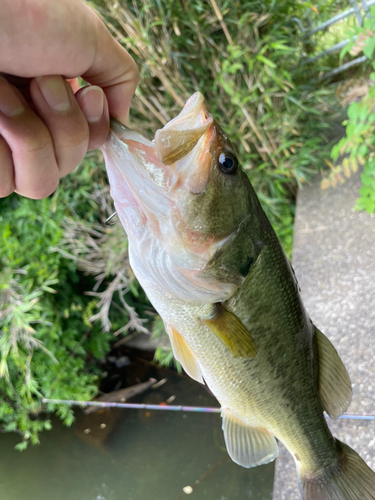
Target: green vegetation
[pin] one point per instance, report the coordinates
(50, 343)
(358, 146)
(66, 288)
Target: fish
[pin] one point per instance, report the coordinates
(211, 264)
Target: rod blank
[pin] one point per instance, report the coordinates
(201, 409)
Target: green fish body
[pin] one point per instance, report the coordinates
(212, 266)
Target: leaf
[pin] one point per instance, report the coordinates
(369, 48)
(345, 50)
(353, 111)
(329, 164)
(370, 206)
(366, 180)
(365, 191)
(363, 112)
(266, 61)
(21, 446)
(350, 129)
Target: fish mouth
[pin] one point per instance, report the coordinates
(148, 176)
(178, 157)
(174, 144)
(178, 138)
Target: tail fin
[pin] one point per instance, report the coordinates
(352, 480)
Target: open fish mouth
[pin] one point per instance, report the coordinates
(144, 175)
(168, 158)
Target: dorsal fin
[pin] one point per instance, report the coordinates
(335, 389)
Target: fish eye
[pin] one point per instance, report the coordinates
(228, 163)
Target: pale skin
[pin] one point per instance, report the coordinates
(47, 123)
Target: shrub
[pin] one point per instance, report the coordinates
(358, 146)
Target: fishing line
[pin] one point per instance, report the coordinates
(197, 409)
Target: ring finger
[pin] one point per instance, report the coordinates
(33, 168)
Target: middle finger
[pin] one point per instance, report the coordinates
(56, 105)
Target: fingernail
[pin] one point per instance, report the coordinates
(92, 103)
(10, 103)
(54, 92)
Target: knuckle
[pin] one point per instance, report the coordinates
(37, 142)
(74, 137)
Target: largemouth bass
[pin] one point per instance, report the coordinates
(212, 266)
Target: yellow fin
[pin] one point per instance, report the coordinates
(184, 355)
(247, 446)
(335, 389)
(229, 329)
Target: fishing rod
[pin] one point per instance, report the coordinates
(165, 407)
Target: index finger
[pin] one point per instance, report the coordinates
(115, 71)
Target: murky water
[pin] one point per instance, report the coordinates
(134, 455)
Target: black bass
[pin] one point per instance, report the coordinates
(212, 266)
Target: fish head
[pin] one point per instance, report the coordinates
(181, 197)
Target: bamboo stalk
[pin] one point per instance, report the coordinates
(222, 23)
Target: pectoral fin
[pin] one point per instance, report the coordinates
(183, 354)
(247, 446)
(229, 329)
(335, 389)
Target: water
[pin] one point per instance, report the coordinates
(134, 455)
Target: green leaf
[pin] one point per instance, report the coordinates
(367, 180)
(21, 446)
(365, 191)
(369, 48)
(266, 61)
(370, 206)
(353, 111)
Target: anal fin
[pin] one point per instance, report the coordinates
(183, 354)
(247, 446)
(335, 389)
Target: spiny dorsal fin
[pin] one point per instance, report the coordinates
(184, 355)
(247, 446)
(335, 389)
(229, 329)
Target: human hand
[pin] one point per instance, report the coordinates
(47, 124)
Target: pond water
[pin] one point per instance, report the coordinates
(134, 455)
